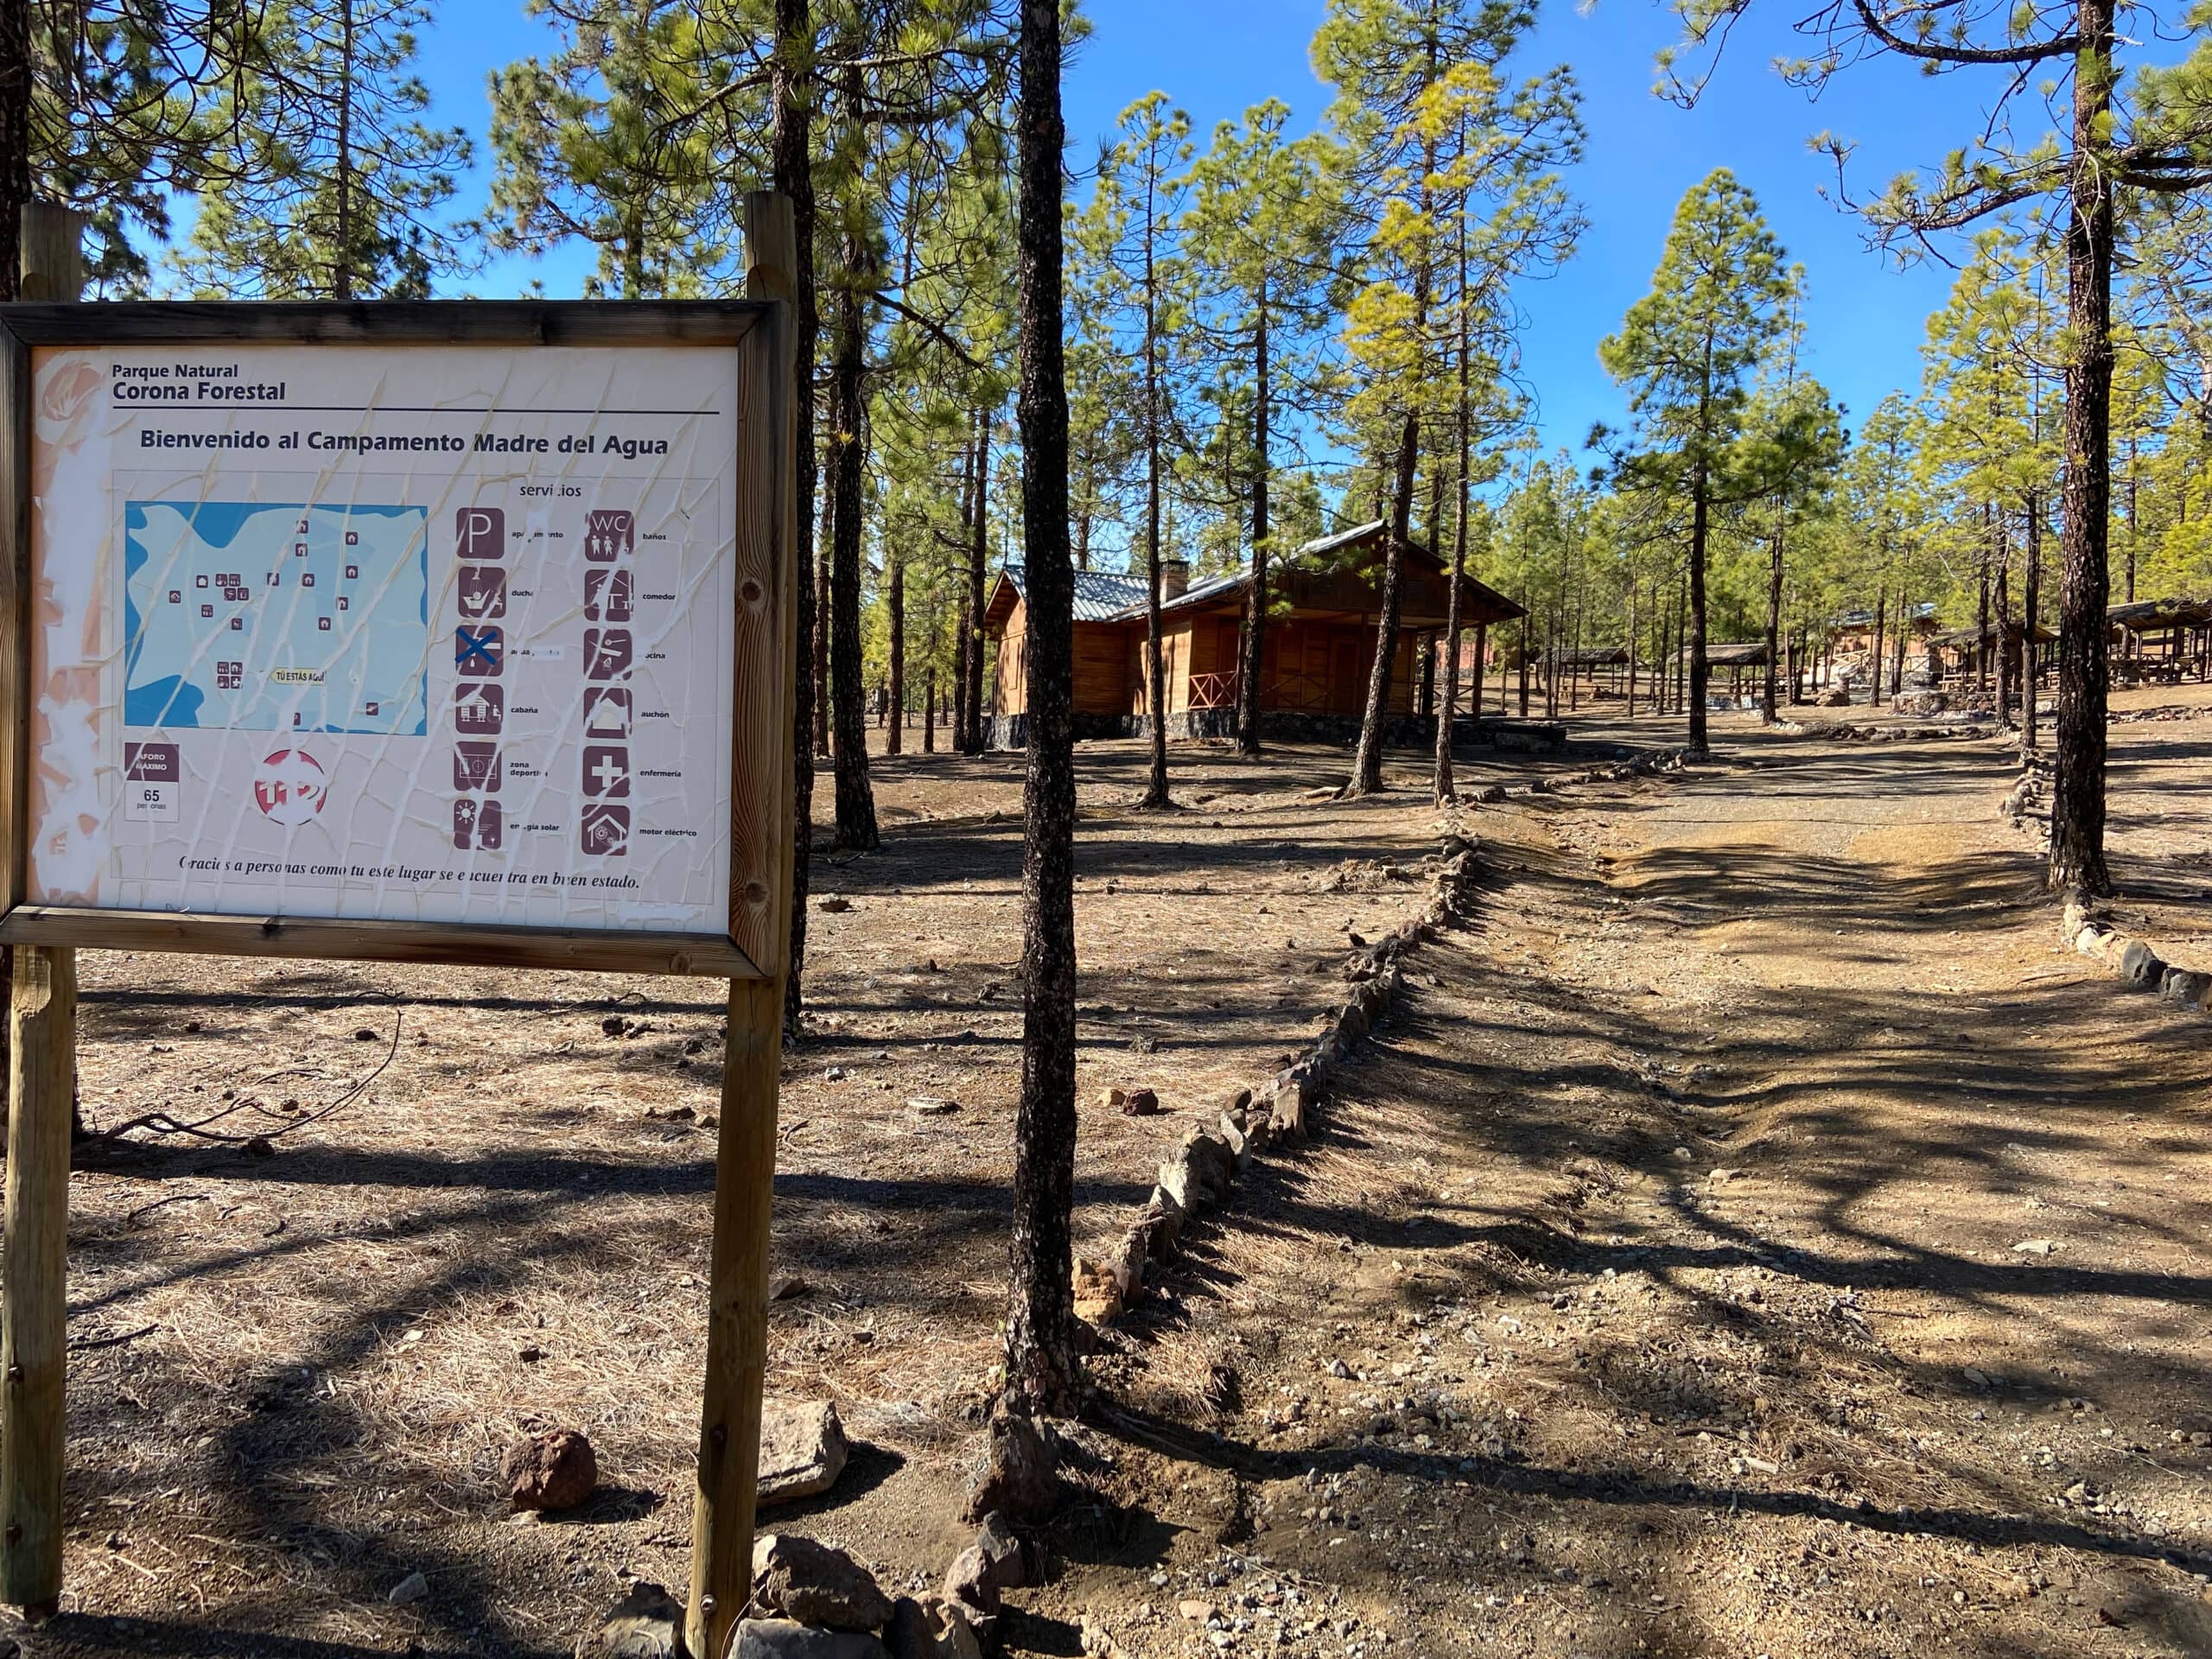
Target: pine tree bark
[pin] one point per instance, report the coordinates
(1447, 705)
(895, 687)
(1774, 616)
(971, 733)
(1700, 672)
(2031, 577)
(1255, 599)
(1367, 764)
(856, 830)
(15, 142)
(822, 587)
(2077, 810)
(790, 140)
(1155, 667)
(1043, 1375)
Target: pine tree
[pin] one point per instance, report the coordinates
(335, 182)
(1135, 215)
(1407, 74)
(622, 139)
(1686, 354)
(1043, 1373)
(1260, 234)
(2129, 138)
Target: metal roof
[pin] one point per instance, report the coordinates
(2154, 615)
(1099, 595)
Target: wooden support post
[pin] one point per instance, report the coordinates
(745, 1151)
(42, 1035)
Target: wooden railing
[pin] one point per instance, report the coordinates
(1213, 691)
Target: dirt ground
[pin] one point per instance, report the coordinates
(1657, 1289)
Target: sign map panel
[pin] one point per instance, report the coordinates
(414, 632)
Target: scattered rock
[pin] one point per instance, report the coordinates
(614, 1025)
(803, 1448)
(780, 1638)
(930, 1628)
(1140, 1103)
(2036, 1247)
(1198, 1612)
(788, 1288)
(556, 1470)
(1099, 1643)
(833, 904)
(365, 1035)
(647, 1624)
(412, 1588)
(1098, 1294)
(932, 1106)
(816, 1584)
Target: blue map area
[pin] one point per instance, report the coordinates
(264, 617)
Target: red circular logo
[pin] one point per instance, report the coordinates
(289, 786)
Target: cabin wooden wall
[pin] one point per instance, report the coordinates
(1101, 675)
(1310, 666)
(1102, 669)
(1174, 661)
(1321, 667)
(1010, 683)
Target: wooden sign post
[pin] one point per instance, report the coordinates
(632, 466)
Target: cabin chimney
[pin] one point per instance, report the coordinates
(1174, 579)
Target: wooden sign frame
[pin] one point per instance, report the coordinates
(752, 954)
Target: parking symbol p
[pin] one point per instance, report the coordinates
(481, 532)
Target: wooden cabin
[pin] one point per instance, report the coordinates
(1967, 652)
(1316, 654)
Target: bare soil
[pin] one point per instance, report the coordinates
(1655, 1289)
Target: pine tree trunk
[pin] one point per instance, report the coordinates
(929, 710)
(895, 686)
(1774, 616)
(2031, 576)
(1700, 672)
(1155, 666)
(822, 589)
(15, 142)
(2077, 810)
(1981, 641)
(789, 143)
(1256, 602)
(1042, 1372)
(1881, 635)
(1367, 764)
(971, 730)
(856, 830)
(342, 255)
(2004, 646)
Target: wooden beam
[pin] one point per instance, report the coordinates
(472, 944)
(745, 1149)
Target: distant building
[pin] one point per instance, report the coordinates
(1316, 650)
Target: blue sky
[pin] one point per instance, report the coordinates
(1214, 58)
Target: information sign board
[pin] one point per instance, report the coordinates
(408, 632)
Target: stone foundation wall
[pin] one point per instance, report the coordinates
(1289, 726)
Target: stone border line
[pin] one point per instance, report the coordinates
(2132, 961)
(1202, 1173)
